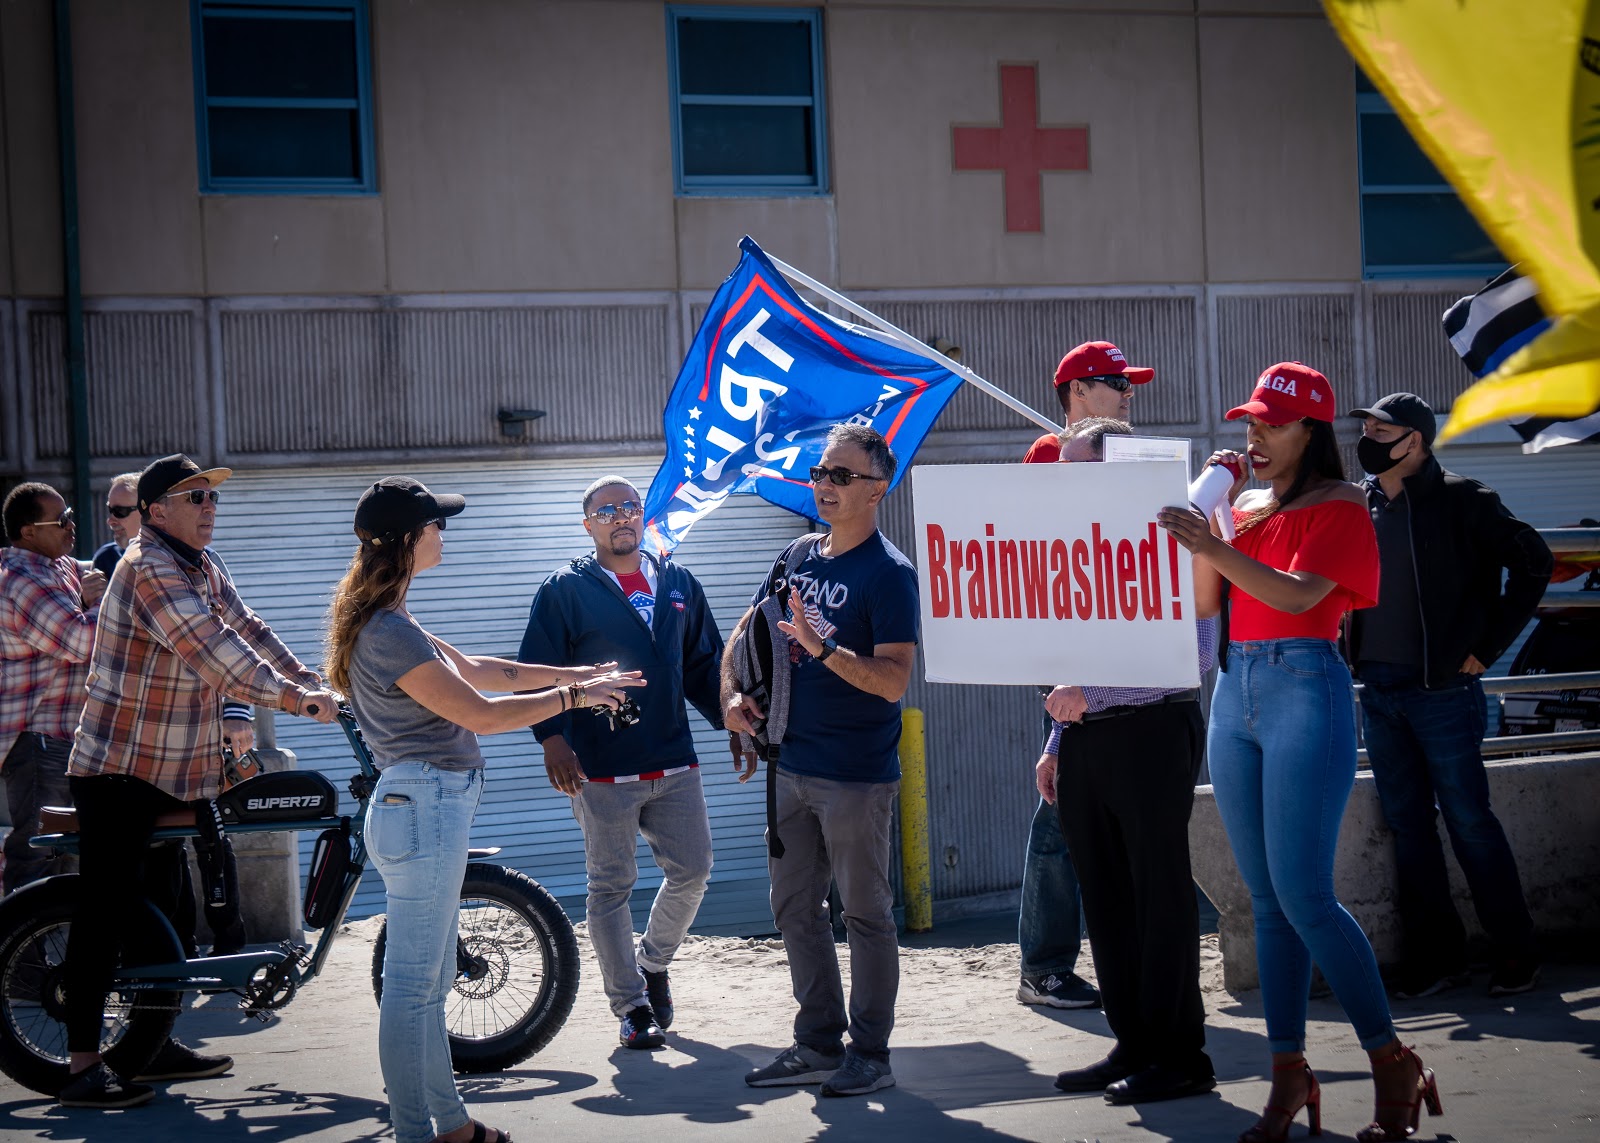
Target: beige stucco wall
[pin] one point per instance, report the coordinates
(1278, 112)
(33, 178)
(138, 211)
(900, 80)
(528, 148)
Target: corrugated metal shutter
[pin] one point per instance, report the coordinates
(286, 537)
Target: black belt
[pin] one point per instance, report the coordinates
(1192, 695)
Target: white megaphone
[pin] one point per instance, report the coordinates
(1208, 492)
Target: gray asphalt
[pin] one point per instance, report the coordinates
(971, 1064)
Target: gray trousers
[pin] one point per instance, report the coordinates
(671, 814)
(837, 831)
(36, 775)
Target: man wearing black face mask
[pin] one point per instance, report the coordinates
(1442, 618)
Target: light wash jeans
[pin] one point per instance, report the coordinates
(418, 823)
(671, 814)
(1282, 746)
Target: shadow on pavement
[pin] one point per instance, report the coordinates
(265, 1115)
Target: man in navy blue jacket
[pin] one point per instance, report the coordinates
(645, 614)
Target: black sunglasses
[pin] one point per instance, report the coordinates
(121, 511)
(840, 476)
(611, 513)
(440, 521)
(195, 496)
(1117, 382)
(65, 520)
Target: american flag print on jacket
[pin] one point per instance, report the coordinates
(174, 640)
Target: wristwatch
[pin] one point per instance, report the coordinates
(828, 648)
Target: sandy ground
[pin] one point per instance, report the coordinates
(972, 1063)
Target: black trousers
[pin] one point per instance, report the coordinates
(1124, 792)
(119, 871)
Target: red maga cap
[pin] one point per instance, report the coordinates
(1099, 359)
(1288, 391)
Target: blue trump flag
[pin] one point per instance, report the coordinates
(766, 378)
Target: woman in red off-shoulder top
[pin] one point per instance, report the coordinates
(1282, 740)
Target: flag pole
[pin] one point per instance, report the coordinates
(905, 341)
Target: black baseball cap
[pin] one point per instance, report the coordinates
(170, 471)
(1406, 409)
(398, 505)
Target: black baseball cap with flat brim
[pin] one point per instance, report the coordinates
(1404, 409)
(163, 475)
(397, 506)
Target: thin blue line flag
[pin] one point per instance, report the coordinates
(766, 378)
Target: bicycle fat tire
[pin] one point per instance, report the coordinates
(34, 923)
(544, 1005)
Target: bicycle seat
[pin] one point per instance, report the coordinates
(64, 819)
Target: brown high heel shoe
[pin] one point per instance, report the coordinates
(1260, 1133)
(1427, 1091)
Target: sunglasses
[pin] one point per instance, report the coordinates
(195, 496)
(121, 511)
(1115, 381)
(611, 513)
(840, 476)
(440, 522)
(67, 519)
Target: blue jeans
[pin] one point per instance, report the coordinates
(418, 823)
(1282, 744)
(1050, 922)
(1424, 747)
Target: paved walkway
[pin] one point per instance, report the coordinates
(973, 1065)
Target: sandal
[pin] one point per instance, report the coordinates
(1427, 1091)
(480, 1134)
(1261, 1133)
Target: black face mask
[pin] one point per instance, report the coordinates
(1374, 455)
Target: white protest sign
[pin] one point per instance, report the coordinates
(1053, 573)
(1145, 448)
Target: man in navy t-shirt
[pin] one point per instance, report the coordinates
(852, 631)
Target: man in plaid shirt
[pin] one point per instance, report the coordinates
(47, 619)
(174, 639)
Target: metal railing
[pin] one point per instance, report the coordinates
(1522, 684)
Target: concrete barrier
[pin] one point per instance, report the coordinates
(269, 874)
(1550, 808)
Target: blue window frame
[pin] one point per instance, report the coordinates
(1413, 224)
(283, 97)
(747, 101)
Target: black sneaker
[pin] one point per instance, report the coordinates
(659, 989)
(99, 1086)
(1511, 977)
(640, 1030)
(1416, 983)
(176, 1061)
(1053, 991)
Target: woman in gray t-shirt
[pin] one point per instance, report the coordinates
(420, 707)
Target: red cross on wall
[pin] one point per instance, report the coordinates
(1020, 148)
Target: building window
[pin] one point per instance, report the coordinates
(747, 107)
(1413, 224)
(283, 101)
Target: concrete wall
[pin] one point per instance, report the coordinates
(524, 145)
(1551, 818)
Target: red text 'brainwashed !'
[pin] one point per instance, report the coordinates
(1090, 577)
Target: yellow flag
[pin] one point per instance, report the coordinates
(1504, 97)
